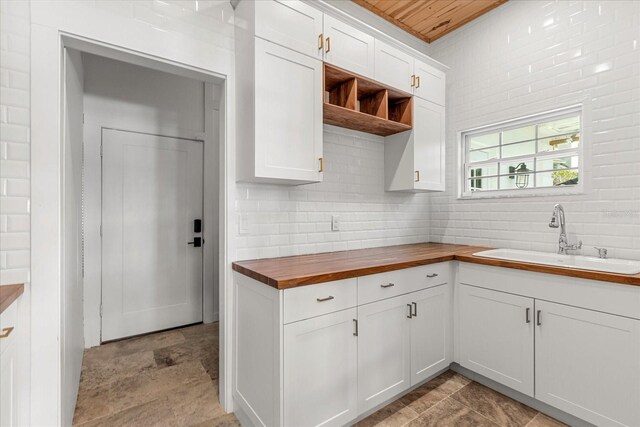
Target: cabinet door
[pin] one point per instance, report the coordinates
(288, 114)
(347, 47)
(8, 396)
(383, 351)
(430, 333)
(320, 382)
(496, 336)
(588, 364)
(430, 83)
(290, 23)
(393, 67)
(428, 145)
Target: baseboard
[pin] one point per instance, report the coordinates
(242, 416)
(522, 398)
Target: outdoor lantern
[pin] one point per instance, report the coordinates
(521, 175)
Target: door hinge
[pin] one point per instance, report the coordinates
(100, 309)
(101, 149)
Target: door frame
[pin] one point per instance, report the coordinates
(92, 196)
(51, 33)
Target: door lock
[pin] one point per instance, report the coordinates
(197, 226)
(197, 242)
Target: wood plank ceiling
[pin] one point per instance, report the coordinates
(429, 19)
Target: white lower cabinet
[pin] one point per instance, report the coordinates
(496, 336)
(588, 364)
(320, 371)
(430, 333)
(384, 346)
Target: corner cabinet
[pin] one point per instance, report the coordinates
(569, 353)
(415, 159)
(325, 354)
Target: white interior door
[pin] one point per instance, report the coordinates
(151, 195)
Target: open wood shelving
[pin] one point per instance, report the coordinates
(358, 103)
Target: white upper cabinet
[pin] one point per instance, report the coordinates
(290, 23)
(588, 363)
(397, 68)
(496, 336)
(429, 83)
(347, 47)
(394, 67)
(415, 160)
(288, 114)
(279, 92)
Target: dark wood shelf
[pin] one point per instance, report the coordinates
(356, 120)
(355, 102)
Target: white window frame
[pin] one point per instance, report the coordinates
(512, 124)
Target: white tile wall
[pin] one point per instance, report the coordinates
(14, 142)
(297, 220)
(531, 56)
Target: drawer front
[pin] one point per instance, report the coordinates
(8, 319)
(377, 287)
(314, 300)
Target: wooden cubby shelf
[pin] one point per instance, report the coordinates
(358, 103)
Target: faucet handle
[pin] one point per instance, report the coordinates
(602, 252)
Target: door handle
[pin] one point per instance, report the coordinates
(390, 285)
(197, 242)
(355, 325)
(430, 276)
(320, 41)
(329, 298)
(413, 80)
(417, 176)
(417, 82)
(526, 315)
(410, 311)
(328, 45)
(415, 309)
(539, 318)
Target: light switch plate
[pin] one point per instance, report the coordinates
(335, 223)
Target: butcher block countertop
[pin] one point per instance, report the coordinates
(290, 272)
(8, 294)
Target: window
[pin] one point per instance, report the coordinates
(523, 155)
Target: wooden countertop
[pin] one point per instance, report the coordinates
(8, 294)
(289, 272)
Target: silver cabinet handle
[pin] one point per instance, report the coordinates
(526, 315)
(355, 325)
(410, 311)
(432, 275)
(390, 285)
(329, 298)
(415, 309)
(539, 318)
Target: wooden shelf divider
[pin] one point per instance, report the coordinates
(355, 102)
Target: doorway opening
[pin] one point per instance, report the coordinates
(142, 204)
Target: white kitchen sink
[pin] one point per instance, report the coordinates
(609, 265)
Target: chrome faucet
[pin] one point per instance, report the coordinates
(557, 220)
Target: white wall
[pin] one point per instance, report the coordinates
(14, 142)
(530, 56)
(297, 220)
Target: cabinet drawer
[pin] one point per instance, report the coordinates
(315, 300)
(392, 283)
(8, 319)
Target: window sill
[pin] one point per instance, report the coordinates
(530, 192)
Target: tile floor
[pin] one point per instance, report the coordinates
(171, 379)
